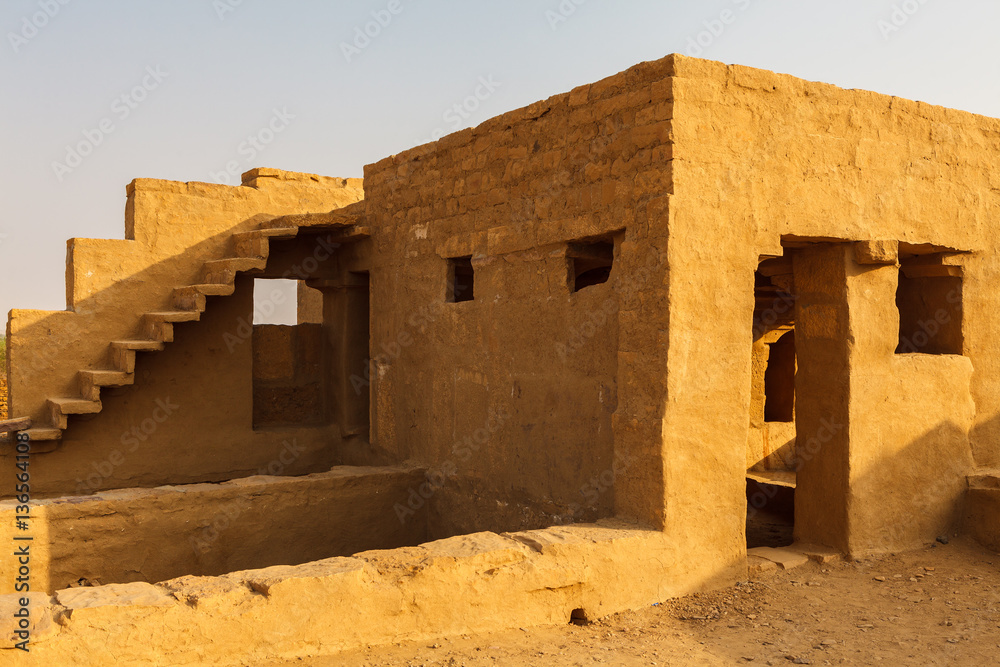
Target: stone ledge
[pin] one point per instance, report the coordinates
(129, 535)
(441, 588)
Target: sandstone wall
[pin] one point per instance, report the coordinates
(517, 391)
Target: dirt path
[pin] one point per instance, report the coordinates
(938, 606)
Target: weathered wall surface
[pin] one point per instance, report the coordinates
(209, 529)
(191, 414)
(534, 403)
(911, 415)
(517, 390)
(760, 155)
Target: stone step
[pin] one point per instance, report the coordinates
(342, 217)
(60, 408)
(159, 326)
(92, 381)
(223, 271)
(192, 297)
(123, 352)
(256, 243)
(44, 434)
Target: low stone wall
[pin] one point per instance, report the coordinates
(466, 584)
(206, 529)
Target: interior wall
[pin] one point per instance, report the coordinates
(289, 385)
(210, 529)
(771, 444)
(347, 331)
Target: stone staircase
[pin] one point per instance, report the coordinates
(221, 260)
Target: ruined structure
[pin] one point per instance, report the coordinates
(580, 344)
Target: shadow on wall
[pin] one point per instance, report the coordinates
(907, 498)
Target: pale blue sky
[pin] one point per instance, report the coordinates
(222, 78)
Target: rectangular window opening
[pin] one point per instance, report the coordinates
(461, 280)
(929, 300)
(287, 340)
(275, 301)
(779, 380)
(590, 263)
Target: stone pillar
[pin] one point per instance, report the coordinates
(822, 393)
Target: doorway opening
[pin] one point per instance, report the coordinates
(770, 485)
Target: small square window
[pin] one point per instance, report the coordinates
(929, 299)
(590, 263)
(461, 278)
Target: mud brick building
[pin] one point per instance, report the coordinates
(592, 340)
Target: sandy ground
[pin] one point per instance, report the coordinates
(937, 606)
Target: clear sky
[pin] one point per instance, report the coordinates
(201, 76)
